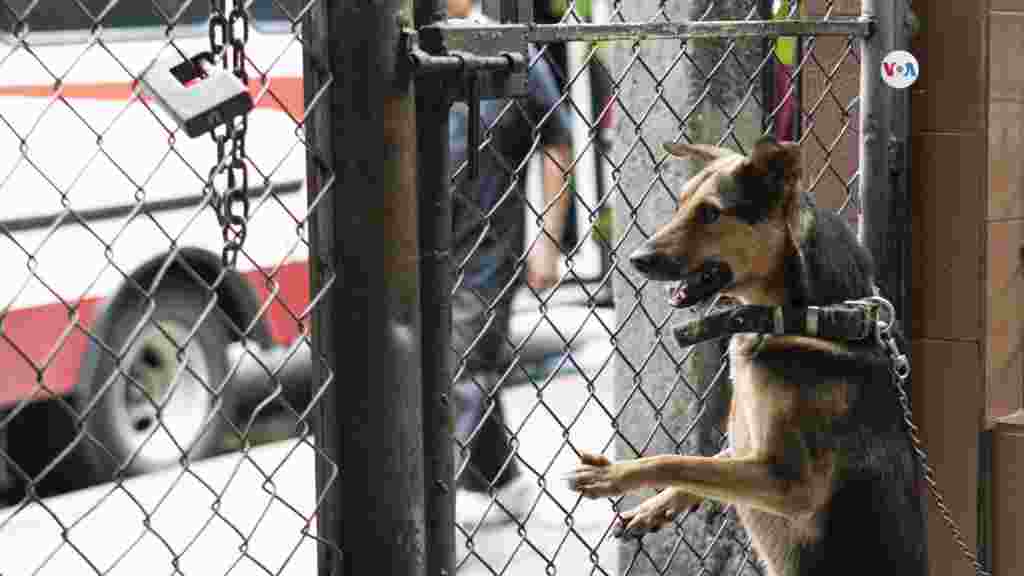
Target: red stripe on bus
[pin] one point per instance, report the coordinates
(283, 93)
(40, 357)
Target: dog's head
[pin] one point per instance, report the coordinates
(737, 221)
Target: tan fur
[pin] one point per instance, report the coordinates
(702, 151)
(751, 344)
(755, 253)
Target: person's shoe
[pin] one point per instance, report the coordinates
(476, 508)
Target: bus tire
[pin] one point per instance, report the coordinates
(170, 408)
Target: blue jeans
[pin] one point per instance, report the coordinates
(480, 320)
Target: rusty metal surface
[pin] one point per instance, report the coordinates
(466, 35)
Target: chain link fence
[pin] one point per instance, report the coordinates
(158, 408)
(140, 373)
(608, 377)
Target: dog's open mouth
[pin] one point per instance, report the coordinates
(700, 285)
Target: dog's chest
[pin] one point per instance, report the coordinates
(766, 422)
(761, 415)
(761, 406)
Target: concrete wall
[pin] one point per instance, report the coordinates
(1000, 218)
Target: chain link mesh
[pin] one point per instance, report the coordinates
(587, 364)
(136, 366)
(125, 344)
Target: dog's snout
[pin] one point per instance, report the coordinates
(644, 259)
(655, 264)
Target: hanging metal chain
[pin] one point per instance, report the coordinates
(900, 367)
(229, 33)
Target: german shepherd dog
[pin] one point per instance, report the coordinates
(819, 467)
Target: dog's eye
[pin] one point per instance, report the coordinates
(708, 214)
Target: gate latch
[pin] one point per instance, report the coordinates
(483, 62)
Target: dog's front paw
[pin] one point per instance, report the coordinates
(597, 477)
(655, 512)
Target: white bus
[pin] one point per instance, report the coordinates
(99, 188)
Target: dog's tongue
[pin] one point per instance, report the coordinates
(678, 295)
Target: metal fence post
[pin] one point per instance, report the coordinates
(764, 12)
(897, 272)
(877, 229)
(364, 246)
(435, 225)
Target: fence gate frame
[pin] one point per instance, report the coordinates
(450, 63)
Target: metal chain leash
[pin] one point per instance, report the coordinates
(229, 34)
(900, 367)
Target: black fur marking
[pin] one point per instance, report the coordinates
(758, 185)
(834, 266)
(776, 163)
(748, 195)
(876, 513)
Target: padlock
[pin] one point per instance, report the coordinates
(198, 95)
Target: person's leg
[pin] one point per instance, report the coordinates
(480, 430)
(480, 320)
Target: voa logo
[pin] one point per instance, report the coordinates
(900, 69)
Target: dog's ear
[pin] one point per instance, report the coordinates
(778, 159)
(781, 162)
(704, 152)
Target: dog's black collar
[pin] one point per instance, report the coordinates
(848, 322)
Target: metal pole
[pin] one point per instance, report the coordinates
(491, 8)
(588, 257)
(360, 133)
(899, 151)
(798, 81)
(435, 225)
(876, 226)
(764, 12)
